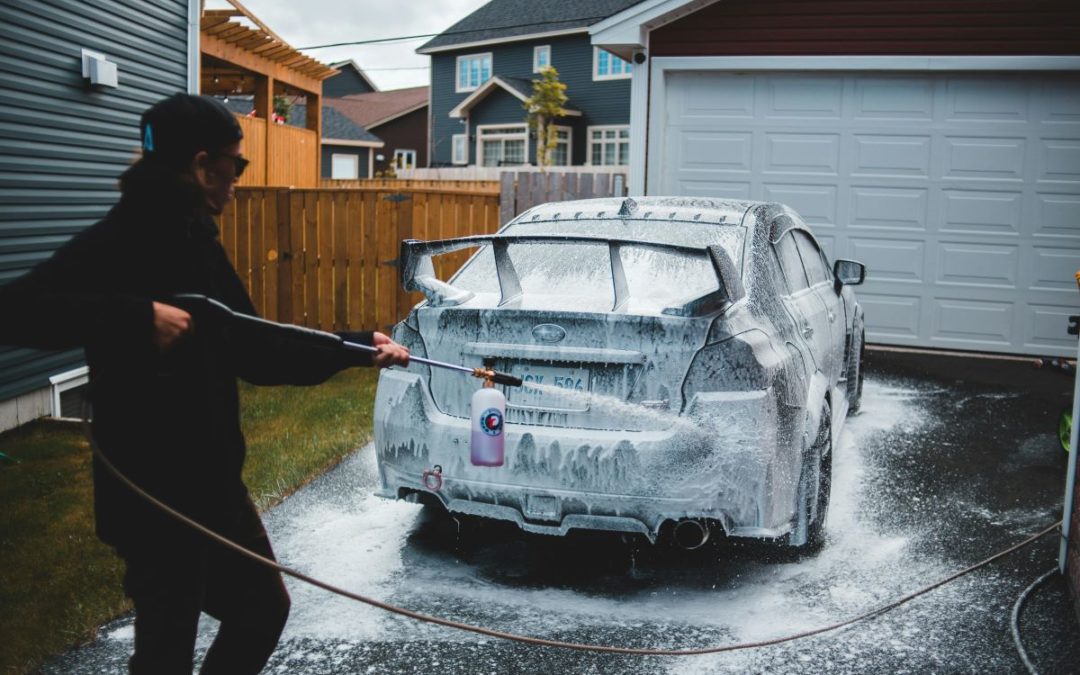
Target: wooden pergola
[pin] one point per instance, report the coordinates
(252, 60)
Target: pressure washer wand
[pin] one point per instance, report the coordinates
(200, 305)
(483, 373)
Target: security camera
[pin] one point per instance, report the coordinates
(639, 57)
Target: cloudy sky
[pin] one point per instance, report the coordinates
(303, 23)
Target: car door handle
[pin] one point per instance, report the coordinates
(807, 331)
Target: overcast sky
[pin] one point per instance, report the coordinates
(303, 23)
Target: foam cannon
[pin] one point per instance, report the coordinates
(488, 403)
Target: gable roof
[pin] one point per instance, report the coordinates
(509, 20)
(378, 107)
(519, 87)
(351, 64)
(335, 126)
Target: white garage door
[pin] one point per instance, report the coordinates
(960, 192)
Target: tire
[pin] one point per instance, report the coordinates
(855, 374)
(808, 533)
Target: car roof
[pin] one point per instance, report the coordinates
(699, 209)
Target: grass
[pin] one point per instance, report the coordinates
(58, 583)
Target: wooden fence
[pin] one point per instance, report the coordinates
(480, 186)
(327, 259)
(286, 158)
(519, 192)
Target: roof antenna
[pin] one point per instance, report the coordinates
(629, 206)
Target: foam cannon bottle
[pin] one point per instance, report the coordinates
(488, 444)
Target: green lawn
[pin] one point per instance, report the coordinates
(58, 582)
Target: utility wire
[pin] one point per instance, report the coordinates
(452, 32)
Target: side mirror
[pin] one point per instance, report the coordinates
(849, 272)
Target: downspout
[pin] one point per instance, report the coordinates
(194, 46)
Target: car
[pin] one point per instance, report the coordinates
(688, 365)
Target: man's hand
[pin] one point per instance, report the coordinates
(171, 324)
(390, 352)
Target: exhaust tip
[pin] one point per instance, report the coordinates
(690, 534)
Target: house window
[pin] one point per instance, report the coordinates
(609, 146)
(541, 57)
(459, 149)
(404, 159)
(560, 154)
(472, 71)
(344, 167)
(607, 66)
(502, 144)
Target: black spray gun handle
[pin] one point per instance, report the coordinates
(200, 305)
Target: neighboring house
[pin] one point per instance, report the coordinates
(350, 80)
(65, 142)
(398, 117)
(482, 69)
(942, 149)
(347, 149)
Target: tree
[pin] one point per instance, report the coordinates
(543, 108)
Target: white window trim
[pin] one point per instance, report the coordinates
(464, 157)
(457, 71)
(569, 145)
(345, 155)
(404, 152)
(481, 128)
(536, 59)
(597, 77)
(604, 127)
(62, 382)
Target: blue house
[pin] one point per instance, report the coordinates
(482, 69)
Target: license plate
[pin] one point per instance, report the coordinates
(559, 388)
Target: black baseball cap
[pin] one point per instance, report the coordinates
(174, 129)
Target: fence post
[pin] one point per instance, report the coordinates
(506, 197)
(285, 256)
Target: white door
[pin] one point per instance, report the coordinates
(960, 192)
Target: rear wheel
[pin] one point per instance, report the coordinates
(815, 487)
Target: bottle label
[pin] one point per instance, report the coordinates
(491, 422)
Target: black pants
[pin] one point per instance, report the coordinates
(172, 581)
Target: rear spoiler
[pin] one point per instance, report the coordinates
(418, 271)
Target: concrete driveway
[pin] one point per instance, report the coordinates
(951, 460)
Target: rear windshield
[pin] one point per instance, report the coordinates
(578, 277)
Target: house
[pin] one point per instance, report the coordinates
(347, 149)
(350, 79)
(398, 117)
(482, 69)
(941, 148)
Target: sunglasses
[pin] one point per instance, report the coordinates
(239, 162)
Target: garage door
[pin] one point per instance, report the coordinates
(960, 192)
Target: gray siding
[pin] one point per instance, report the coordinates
(328, 150)
(62, 146)
(603, 102)
(345, 83)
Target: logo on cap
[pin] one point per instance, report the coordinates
(148, 139)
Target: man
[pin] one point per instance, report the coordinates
(163, 388)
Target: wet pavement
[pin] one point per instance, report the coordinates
(951, 460)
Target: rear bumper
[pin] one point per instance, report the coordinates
(720, 461)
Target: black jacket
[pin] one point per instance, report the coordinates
(169, 421)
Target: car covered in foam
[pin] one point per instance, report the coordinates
(688, 364)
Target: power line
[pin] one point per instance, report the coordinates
(451, 32)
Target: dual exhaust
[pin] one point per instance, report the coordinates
(690, 534)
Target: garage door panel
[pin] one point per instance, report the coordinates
(963, 320)
(815, 203)
(895, 98)
(1048, 327)
(959, 191)
(1053, 269)
(892, 155)
(802, 97)
(980, 211)
(895, 208)
(891, 317)
(984, 158)
(802, 153)
(890, 259)
(987, 99)
(980, 265)
(1057, 215)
